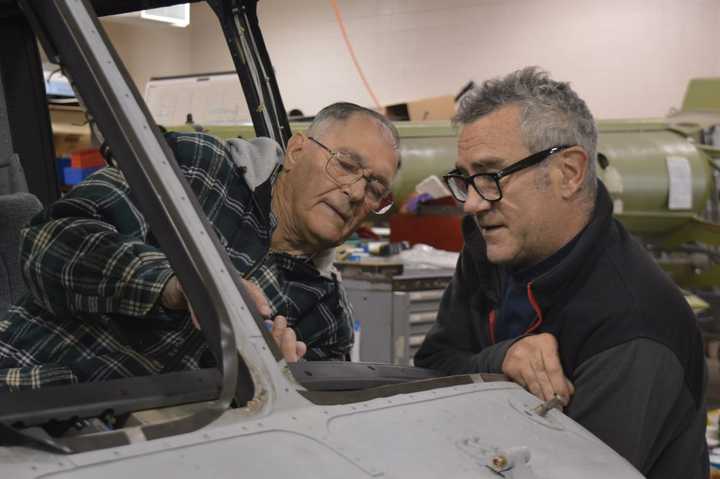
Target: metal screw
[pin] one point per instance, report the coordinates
(499, 462)
(554, 403)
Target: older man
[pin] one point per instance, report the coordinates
(104, 300)
(553, 292)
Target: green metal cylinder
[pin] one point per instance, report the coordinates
(427, 148)
(635, 156)
(633, 164)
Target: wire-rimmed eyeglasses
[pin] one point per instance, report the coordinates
(344, 170)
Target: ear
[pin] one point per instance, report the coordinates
(294, 149)
(573, 170)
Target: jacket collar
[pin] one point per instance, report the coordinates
(555, 285)
(487, 277)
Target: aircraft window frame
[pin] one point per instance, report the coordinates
(102, 82)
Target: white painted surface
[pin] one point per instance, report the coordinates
(628, 58)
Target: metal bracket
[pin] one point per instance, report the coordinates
(239, 22)
(40, 33)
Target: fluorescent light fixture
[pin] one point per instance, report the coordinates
(177, 15)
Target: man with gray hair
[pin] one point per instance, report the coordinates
(553, 292)
(104, 301)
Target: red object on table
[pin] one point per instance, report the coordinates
(89, 158)
(439, 231)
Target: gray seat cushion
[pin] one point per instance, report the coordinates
(12, 177)
(15, 212)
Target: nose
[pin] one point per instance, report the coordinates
(475, 203)
(356, 191)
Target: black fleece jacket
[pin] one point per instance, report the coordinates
(627, 339)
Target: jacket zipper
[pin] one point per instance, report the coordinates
(492, 317)
(491, 324)
(536, 307)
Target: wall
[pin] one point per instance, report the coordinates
(150, 49)
(628, 58)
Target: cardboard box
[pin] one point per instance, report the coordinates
(438, 108)
(435, 108)
(71, 131)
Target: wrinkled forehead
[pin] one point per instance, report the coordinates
(492, 140)
(358, 125)
(367, 140)
(497, 127)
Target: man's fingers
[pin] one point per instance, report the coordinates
(544, 384)
(571, 386)
(555, 374)
(258, 298)
(522, 373)
(284, 336)
(278, 329)
(534, 363)
(300, 349)
(288, 346)
(172, 296)
(534, 387)
(519, 380)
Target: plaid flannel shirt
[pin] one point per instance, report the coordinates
(96, 274)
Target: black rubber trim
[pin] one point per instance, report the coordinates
(277, 126)
(347, 376)
(119, 396)
(329, 398)
(338, 382)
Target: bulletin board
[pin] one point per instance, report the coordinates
(212, 99)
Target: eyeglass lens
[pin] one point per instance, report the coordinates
(486, 186)
(346, 172)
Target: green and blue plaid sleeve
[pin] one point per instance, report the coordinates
(88, 253)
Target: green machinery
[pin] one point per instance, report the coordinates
(661, 176)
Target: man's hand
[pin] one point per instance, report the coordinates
(284, 336)
(257, 297)
(533, 362)
(173, 296)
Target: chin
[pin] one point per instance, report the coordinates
(500, 256)
(328, 236)
(323, 228)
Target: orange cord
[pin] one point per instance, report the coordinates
(341, 24)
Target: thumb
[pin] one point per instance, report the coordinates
(571, 386)
(301, 349)
(257, 297)
(172, 295)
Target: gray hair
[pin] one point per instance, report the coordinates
(551, 113)
(342, 111)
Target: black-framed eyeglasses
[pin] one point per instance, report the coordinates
(487, 185)
(344, 170)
